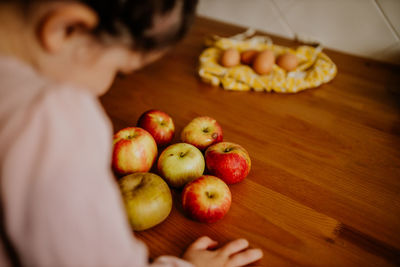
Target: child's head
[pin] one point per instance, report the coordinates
(88, 41)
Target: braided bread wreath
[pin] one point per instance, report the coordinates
(314, 69)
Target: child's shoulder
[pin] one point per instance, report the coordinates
(22, 86)
(29, 101)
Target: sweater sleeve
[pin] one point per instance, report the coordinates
(61, 200)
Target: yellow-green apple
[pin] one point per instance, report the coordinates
(206, 199)
(134, 151)
(202, 132)
(228, 161)
(147, 199)
(180, 163)
(159, 124)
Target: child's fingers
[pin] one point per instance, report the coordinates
(202, 243)
(245, 257)
(234, 247)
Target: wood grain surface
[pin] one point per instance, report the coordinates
(325, 181)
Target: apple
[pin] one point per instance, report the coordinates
(180, 163)
(202, 132)
(228, 161)
(134, 151)
(147, 199)
(159, 124)
(206, 199)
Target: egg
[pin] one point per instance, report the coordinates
(230, 58)
(287, 61)
(247, 57)
(263, 62)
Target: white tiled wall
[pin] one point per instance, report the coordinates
(369, 28)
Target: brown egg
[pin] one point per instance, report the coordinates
(230, 58)
(287, 61)
(263, 62)
(247, 57)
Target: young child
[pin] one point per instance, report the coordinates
(60, 205)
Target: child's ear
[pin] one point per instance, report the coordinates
(58, 24)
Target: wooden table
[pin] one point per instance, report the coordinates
(325, 181)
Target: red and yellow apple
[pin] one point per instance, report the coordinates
(147, 199)
(228, 161)
(206, 199)
(134, 151)
(180, 163)
(159, 124)
(202, 132)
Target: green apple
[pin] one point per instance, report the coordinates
(180, 163)
(147, 199)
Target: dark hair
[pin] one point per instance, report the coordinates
(137, 17)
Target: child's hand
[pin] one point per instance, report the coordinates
(234, 253)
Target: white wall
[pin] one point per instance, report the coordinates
(369, 28)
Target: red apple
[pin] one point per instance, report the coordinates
(228, 161)
(202, 132)
(180, 163)
(206, 199)
(134, 151)
(159, 124)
